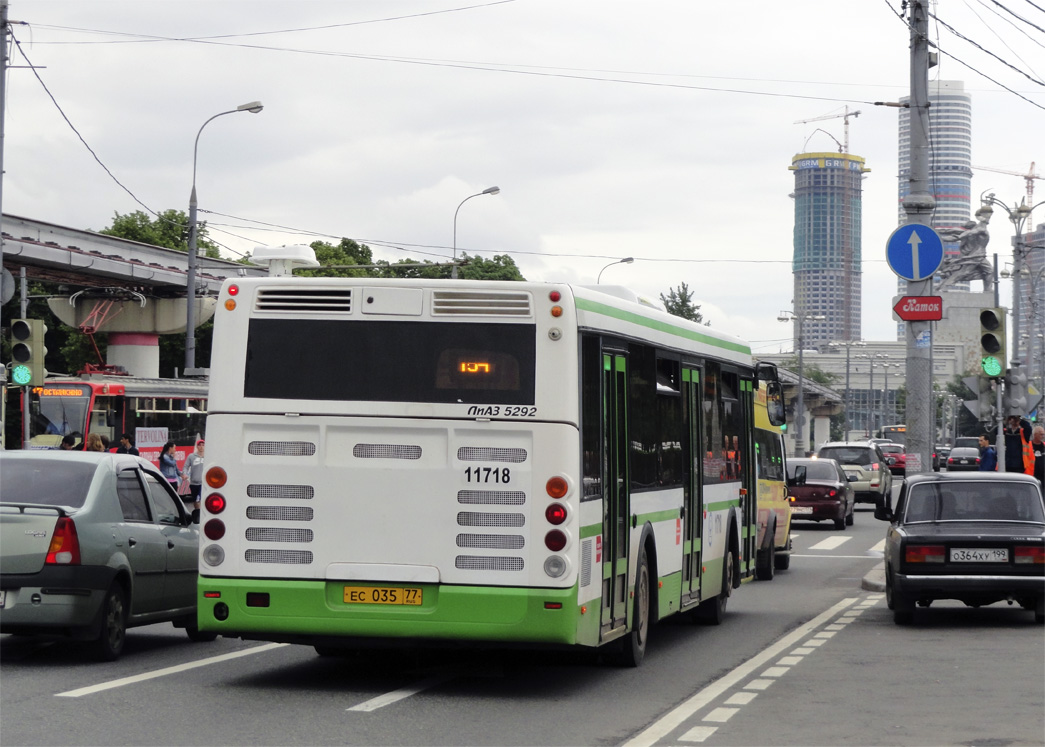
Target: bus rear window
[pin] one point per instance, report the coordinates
(324, 359)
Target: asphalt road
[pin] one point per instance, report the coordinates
(810, 658)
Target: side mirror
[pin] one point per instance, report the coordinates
(883, 513)
(799, 478)
(110, 418)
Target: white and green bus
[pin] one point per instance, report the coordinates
(393, 461)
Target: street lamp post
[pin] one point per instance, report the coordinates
(487, 191)
(871, 393)
(800, 320)
(625, 261)
(190, 314)
(845, 410)
(888, 411)
(1019, 217)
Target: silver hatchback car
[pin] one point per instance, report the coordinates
(92, 544)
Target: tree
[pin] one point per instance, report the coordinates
(679, 302)
(169, 229)
(811, 372)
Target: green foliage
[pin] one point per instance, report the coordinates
(679, 302)
(169, 229)
(811, 372)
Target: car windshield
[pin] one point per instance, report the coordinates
(891, 449)
(52, 482)
(974, 501)
(815, 470)
(848, 455)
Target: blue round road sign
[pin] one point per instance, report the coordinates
(914, 251)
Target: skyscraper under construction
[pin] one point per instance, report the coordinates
(826, 265)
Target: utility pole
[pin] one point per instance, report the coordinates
(918, 205)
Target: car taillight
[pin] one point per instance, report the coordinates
(1030, 554)
(924, 554)
(65, 545)
(875, 466)
(950, 461)
(832, 493)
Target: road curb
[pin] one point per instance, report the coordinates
(875, 579)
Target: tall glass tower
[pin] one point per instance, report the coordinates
(950, 159)
(826, 264)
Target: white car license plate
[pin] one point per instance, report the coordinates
(801, 509)
(979, 555)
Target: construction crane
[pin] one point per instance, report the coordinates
(1030, 176)
(845, 118)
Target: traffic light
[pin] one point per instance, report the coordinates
(1014, 399)
(27, 352)
(992, 342)
(987, 401)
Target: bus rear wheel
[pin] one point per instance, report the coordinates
(713, 611)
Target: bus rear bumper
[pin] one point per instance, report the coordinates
(310, 612)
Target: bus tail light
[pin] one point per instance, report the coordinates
(217, 477)
(557, 487)
(213, 555)
(65, 544)
(215, 503)
(555, 514)
(1030, 554)
(924, 554)
(555, 566)
(214, 529)
(555, 540)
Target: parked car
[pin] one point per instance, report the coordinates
(865, 461)
(895, 456)
(820, 490)
(963, 459)
(978, 538)
(940, 457)
(92, 544)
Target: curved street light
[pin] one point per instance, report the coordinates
(190, 314)
(625, 261)
(800, 320)
(487, 191)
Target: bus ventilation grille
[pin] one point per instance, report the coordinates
(491, 497)
(490, 454)
(287, 557)
(491, 541)
(278, 534)
(281, 448)
(299, 299)
(386, 451)
(280, 513)
(282, 492)
(586, 562)
(474, 563)
(484, 303)
(477, 519)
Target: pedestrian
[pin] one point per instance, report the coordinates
(193, 472)
(127, 445)
(1038, 447)
(94, 442)
(169, 465)
(1018, 457)
(105, 441)
(988, 456)
(68, 442)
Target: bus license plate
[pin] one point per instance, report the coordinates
(979, 555)
(382, 595)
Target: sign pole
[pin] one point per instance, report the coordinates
(918, 205)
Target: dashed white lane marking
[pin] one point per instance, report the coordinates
(721, 715)
(741, 698)
(830, 543)
(676, 717)
(396, 695)
(758, 684)
(164, 672)
(698, 733)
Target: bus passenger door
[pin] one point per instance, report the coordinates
(615, 503)
(746, 474)
(692, 510)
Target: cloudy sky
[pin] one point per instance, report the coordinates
(660, 130)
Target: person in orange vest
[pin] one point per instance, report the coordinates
(1019, 454)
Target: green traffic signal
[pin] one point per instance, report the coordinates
(21, 374)
(991, 366)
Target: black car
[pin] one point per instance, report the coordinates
(963, 459)
(976, 537)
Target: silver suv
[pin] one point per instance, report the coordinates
(864, 461)
(92, 544)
